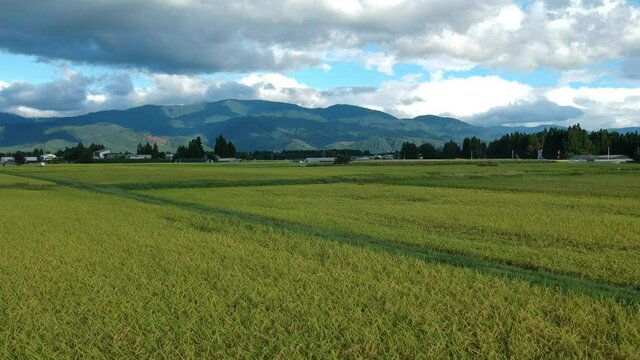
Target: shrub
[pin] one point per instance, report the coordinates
(341, 160)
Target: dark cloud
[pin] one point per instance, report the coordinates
(540, 111)
(161, 36)
(411, 100)
(192, 36)
(65, 94)
(119, 84)
(70, 94)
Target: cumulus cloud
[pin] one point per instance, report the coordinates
(561, 36)
(540, 111)
(277, 87)
(602, 107)
(466, 96)
(65, 94)
(190, 36)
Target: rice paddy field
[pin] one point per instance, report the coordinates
(278, 260)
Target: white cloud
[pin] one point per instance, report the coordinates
(584, 96)
(508, 18)
(442, 63)
(585, 76)
(346, 8)
(566, 37)
(269, 80)
(326, 67)
(31, 112)
(602, 107)
(465, 97)
(380, 62)
(277, 87)
(97, 98)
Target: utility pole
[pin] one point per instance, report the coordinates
(471, 155)
(513, 154)
(608, 153)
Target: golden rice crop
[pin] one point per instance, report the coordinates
(89, 275)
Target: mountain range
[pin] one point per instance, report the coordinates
(250, 124)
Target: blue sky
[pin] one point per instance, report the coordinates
(481, 62)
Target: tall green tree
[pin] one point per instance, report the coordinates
(474, 147)
(148, 150)
(224, 148)
(428, 151)
(533, 146)
(451, 150)
(20, 158)
(578, 142)
(220, 147)
(231, 150)
(155, 153)
(554, 146)
(409, 151)
(194, 149)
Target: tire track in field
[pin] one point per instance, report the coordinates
(493, 267)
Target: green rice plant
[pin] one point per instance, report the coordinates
(8, 181)
(548, 178)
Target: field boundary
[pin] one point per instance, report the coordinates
(489, 266)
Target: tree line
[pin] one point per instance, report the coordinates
(195, 149)
(148, 149)
(554, 143)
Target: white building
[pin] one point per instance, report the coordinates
(7, 160)
(48, 157)
(614, 159)
(317, 160)
(138, 157)
(100, 154)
